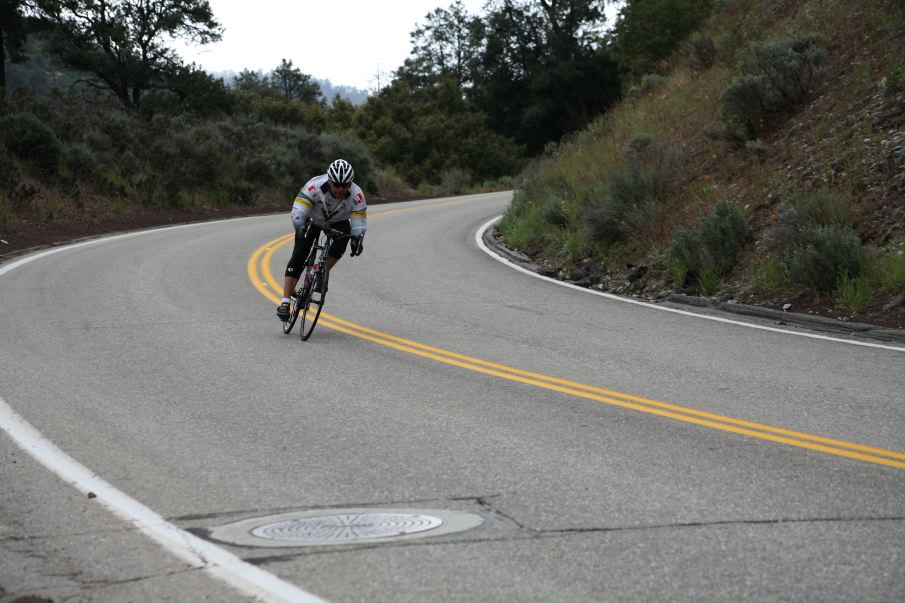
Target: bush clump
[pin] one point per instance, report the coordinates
(703, 51)
(891, 270)
(80, 162)
(723, 233)
(710, 251)
(9, 170)
(780, 76)
(821, 208)
(651, 82)
(823, 255)
(522, 226)
(31, 141)
(637, 195)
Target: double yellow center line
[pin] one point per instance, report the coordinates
(264, 281)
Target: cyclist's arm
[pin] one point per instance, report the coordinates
(301, 207)
(359, 218)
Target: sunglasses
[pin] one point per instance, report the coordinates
(341, 184)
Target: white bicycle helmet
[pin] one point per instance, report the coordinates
(340, 172)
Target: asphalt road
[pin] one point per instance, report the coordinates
(614, 452)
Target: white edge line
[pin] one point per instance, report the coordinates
(198, 553)
(479, 240)
(106, 239)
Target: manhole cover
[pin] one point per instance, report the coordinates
(348, 526)
(344, 526)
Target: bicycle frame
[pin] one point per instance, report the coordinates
(305, 297)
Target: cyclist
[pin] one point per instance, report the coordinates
(333, 199)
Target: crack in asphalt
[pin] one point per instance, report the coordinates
(122, 530)
(487, 504)
(281, 510)
(100, 584)
(527, 533)
(83, 584)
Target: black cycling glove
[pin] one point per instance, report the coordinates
(358, 245)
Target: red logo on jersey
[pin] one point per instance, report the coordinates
(312, 188)
(358, 198)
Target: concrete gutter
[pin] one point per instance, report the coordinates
(809, 321)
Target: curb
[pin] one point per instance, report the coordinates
(818, 323)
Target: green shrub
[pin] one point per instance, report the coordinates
(574, 243)
(637, 195)
(5, 210)
(708, 252)
(823, 255)
(709, 278)
(241, 193)
(9, 170)
(792, 67)
(686, 257)
(260, 168)
(895, 79)
(891, 272)
(119, 132)
(746, 105)
(821, 208)
(779, 78)
(552, 212)
(32, 141)
(703, 51)
(455, 181)
(756, 147)
(853, 294)
(80, 162)
(658, 256)
(522, 230)
(723, 233)
(651, 82)
(768, 275)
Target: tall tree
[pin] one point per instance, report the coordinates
(13, 30)
(122, 43)
(251, 81)
(295, 85)
(447, 44)
(647, 31)
(428, 131)
(545, 68)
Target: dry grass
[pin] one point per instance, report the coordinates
(840, 141)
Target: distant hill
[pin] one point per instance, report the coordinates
(356, 96)
(42, 73)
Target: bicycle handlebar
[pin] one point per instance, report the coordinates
(336, 234)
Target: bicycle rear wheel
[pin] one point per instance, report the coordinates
(313, 303)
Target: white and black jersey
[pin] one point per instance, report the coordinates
(316, 202)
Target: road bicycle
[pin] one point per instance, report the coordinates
(308, 300)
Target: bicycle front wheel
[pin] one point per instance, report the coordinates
(295, 306)
(314, 303)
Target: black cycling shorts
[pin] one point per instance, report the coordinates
(304, 239)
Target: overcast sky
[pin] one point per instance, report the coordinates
(345, 41)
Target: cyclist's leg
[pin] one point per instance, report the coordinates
(304, 239)
(338, 248)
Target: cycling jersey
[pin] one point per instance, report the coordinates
(315, 201)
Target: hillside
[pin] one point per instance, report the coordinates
(791, 190)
